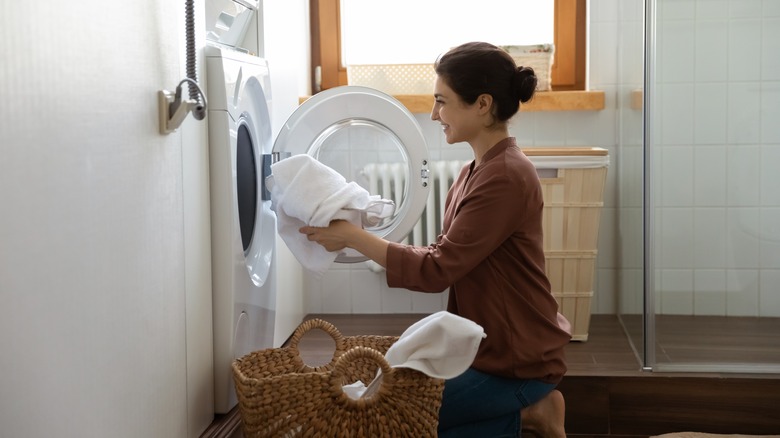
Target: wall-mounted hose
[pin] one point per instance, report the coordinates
(199, 111)
(172, 107)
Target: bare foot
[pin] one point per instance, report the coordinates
(545, 418)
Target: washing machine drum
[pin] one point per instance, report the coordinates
(370, 138)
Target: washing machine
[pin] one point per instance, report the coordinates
(351, 129)
(243, 227)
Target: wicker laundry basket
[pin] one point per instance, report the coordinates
(280, 396)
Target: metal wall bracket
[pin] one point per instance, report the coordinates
(171, 122)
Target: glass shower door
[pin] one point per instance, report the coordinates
(713, 212)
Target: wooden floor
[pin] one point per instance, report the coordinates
(607, 393)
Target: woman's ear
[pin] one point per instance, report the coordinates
(484, 103)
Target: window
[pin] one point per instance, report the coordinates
(568, 72)
(375, 32)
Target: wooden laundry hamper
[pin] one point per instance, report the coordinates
(280, 396)
(573, 180)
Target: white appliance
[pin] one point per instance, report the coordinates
(347, 128)
(243, 227)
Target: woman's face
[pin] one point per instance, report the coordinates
(459, 120)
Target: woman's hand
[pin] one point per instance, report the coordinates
(341, 234)
(334, 237)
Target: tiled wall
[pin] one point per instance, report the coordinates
(717, 138)
(716, 149)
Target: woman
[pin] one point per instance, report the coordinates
(489, 254)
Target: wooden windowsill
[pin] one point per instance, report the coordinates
(542, 101)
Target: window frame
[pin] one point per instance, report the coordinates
(568, 70)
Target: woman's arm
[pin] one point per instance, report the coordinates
(342, 234)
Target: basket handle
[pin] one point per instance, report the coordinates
(323, 325)
(339, 370)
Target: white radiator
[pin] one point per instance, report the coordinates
(389, 179)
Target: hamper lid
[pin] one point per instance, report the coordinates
(567, 157)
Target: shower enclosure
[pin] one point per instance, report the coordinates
(698, 191)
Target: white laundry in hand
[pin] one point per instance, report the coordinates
(307, 192)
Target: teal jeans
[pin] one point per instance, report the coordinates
(480, 405)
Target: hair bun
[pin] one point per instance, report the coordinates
(525, 83)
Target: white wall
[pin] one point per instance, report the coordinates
(286, 48)
(92, 321)
(105, 276)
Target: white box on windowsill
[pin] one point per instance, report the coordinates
(537, 56)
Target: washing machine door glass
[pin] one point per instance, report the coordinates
(370, 138)
(246, 185)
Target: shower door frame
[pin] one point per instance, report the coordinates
(649, 360)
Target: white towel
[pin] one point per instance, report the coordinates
(442, 345)
(307, 192)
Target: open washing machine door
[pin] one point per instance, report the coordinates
(370, 138)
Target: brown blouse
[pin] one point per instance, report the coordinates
(490, 256)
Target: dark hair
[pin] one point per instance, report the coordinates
(476, 68)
